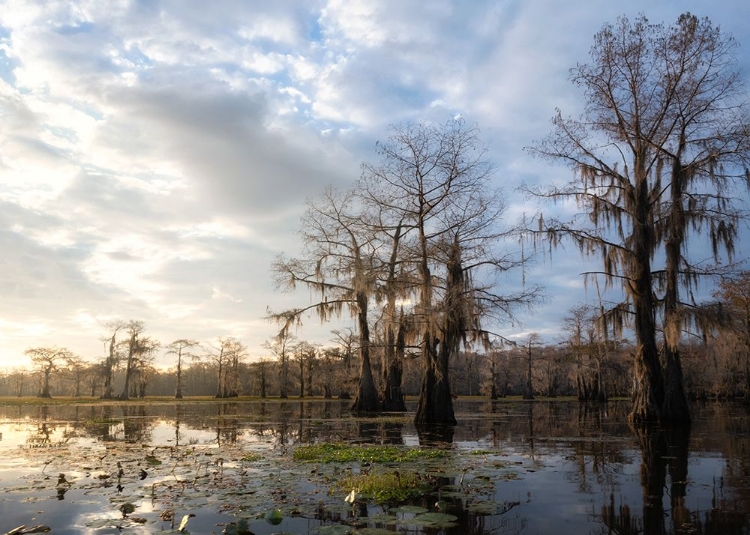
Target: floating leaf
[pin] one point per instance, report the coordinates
(274, 517)
(440, 520)
(415, 509)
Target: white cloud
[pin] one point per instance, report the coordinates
(154, 156)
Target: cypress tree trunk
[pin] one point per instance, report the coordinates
(301, 377)
(129, 367)
(393, 396)
(529, 393)
(178, 391)
(219, 391)
(109, 364)
(367, 393)
(648, 388)
(284, 373)
(435, 401)
(44, 393)
(675, 407)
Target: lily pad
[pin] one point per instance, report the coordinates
(274, 517)
(414, 509)
(438, 520)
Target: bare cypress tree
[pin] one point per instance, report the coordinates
(112, 359)
(181, 348)
(337, 266)
(227, 354)
(434, 181)
(49, 359)
(134, 329)
(650, 90)
(588, 348)
(281, 347)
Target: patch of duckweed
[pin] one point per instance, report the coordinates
(344, 453)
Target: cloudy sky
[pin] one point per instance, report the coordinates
(156, 154)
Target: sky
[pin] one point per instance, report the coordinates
(155, 156)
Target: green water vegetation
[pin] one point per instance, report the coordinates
(391, 487)
(343, 453)
(143, 484)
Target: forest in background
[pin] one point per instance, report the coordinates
(582, 364)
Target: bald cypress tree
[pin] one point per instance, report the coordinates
(664, 130)
(433, 182)
(337, 265)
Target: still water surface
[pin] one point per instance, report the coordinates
(515, 468)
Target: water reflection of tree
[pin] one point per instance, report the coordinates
(42, 436)
(99, 422)
(435, 436)
(227, 425)
(597, 456)
(377, 431)
(177, 420)
(135, 425)
(663, 452)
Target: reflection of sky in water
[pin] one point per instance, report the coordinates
(564, 472)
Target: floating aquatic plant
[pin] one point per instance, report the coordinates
(392, 487)
(342, 453)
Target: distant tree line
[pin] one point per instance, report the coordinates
(583, 363)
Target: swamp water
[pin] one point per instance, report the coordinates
(506, 468)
